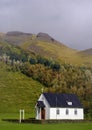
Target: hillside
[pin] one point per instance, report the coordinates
(86, 56)
(17, 91)
(23, 71)
(87, 51)
(15, 37)
(43, 44)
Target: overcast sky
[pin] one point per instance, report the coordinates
(68, 21)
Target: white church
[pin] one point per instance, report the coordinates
(59, 107)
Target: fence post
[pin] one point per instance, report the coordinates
(22, 115)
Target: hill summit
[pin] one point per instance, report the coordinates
(17, 33)
(45, 37)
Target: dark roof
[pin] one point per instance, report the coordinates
(40, 104)
(63, 100)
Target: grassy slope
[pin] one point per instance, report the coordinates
(86, 55)
(17, 91)
(58, 51)
(51, 49)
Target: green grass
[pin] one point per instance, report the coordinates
(17, 91)
(29, 126)
(63, 126)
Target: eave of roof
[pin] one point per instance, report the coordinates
(40, 104)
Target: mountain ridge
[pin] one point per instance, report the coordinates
(87, 51)
(45, 45)
(40, 34)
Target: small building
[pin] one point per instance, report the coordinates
(59, 107)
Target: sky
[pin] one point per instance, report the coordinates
(67, 21)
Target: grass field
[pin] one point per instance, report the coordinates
(59, 126)
(62, 126)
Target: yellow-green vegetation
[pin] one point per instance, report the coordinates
(63, 126)
(56, 51)
(52, 49)
(17, 91)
